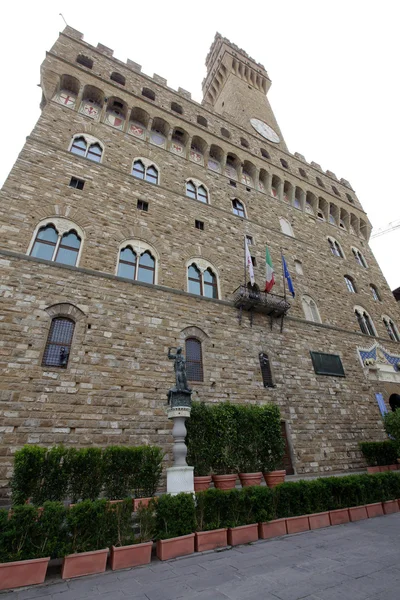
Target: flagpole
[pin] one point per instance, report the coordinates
(244, 247)
(283, 276)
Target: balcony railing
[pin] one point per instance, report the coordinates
(261, 302)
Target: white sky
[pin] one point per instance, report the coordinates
(334, 67)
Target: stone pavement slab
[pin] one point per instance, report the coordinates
(356, 561)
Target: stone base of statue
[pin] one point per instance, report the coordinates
(180, 475)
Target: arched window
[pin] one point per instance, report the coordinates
(299, 267)
(197, 191)
(194, 359)
(286, 227)
(85, 61)
(320, 182)
(335, 248)
(359, 258)
(177, 108)
(364, 321)
(310, 309)
(147, 93)
(264, 153)
(238, 208)
(148, 171)
(118, 78)
(49, 244)
(266, 370)
(88, 147)
(349, 281)
(139, 265)
(201, 121)
(391, 329)
(202, 283)
(374, 292)
(58, 345)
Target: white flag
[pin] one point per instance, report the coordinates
(249, 264)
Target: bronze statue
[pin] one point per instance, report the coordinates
(180, 370)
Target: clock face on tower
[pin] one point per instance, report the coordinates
(265, 130)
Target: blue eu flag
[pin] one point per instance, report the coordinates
(288, 278)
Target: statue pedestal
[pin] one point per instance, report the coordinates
(180, 475)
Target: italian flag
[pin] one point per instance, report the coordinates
(269, 272)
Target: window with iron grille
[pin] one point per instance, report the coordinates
(266, 370)
(327, 364)
(194, 360)
(76, 183)
(142, 205)
(58, 345)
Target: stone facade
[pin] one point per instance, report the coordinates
(113, 390)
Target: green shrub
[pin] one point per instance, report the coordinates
(146, 521)
(273, 444)
(198, 439)
(261, 500)
(148, 476)
(121, 524)
(249, 437)
(30, 534)
(120, 467)
(223, 438)
(379, 453)
(88, 527)
(392, 426)
(54, 477)
(345, 491)
(175, 516)
(212, 508)
(27, 476)
(293, 499)
(86, 473)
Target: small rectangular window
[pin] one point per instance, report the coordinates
(248, 189)
(327, 364)
(199, 225)
(249, 240)
(76, 183)
(232, 183)
(142, 205)
(266, 370)
(253, 260)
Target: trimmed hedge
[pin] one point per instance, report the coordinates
(379, 453)
(175, 516)
(392, 426)
(228, 438)
(42, 474)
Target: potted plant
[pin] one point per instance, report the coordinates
(147, 478)
(240, 518)
(175, 525)
(380, 456)
(87, 539)
(249, 444)
(211, 509)
(28, 539)
(223, 444)
(130, 550)
(272, 445)
(199, 444)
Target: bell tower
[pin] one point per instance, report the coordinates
(237, 86)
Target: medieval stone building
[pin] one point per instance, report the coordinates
(123, 224)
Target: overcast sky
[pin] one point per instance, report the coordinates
(334, 67)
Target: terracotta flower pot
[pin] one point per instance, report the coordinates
(23, 572)
(224, 482)
(274, 478)
(297, 524)
(244, 534)
(136, 502)
(319, 520)
(390, 507)
(209, 540)
(339, 516)
(383, 468)
(373, 470)
(84, 563)
(248, 479)
(202, 482)
(392, 467)
(374, 510)
(357, 513)
(272, 529)
(122, 557)
(179, 546)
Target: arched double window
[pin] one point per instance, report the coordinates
(58, 345)
(374, 292)
(359, 258)
(286, 227)
(202, 282)
(86, 146)
(137, 263)
(194, 359)
(51, 244)
(364, 321)
(310, 309)
(266, 371)
(145, 170)
(238, 208)
(335, 247)
(349, 281)
(391, 328)
(197, 191)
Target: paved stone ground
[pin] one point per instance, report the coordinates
(357, 561)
